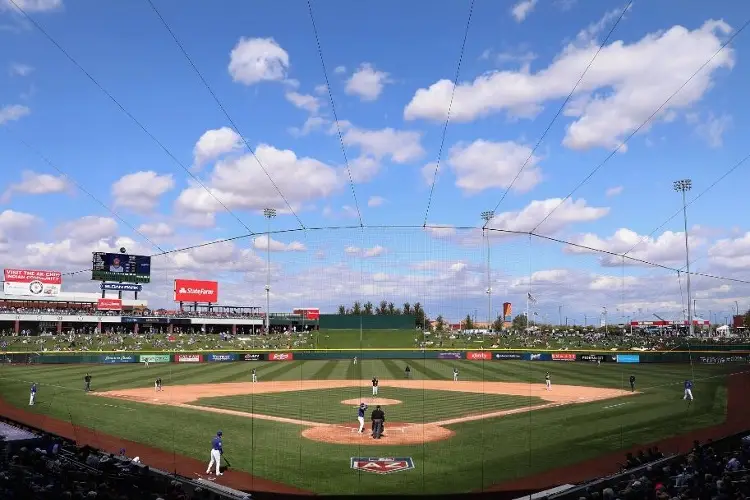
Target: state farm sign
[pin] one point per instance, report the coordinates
(196, 291)
(281, 356)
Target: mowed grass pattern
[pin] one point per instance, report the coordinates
(324, 405)
(480, 454)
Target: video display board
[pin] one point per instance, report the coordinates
(121, 267)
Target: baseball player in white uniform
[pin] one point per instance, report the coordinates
(455, 374)
(355, 360)
(548, 382)
(255, 375)
(32, 395)
(375, 386)
(217, 449)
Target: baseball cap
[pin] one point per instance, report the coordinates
(219, 433)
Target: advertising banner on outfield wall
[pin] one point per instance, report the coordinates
(188, 358)
(479, 355)
(504, 356)
(720, 359)
(449, 355)
(628, 358)
(252, 356)
(154, 358)
(593, 358)
(563, 356)
(280, 356)
(229, 356)
(537, 357)
(120, 358)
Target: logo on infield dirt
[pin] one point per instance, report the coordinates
(382, 465)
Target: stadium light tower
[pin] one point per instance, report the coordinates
(268, 213)
(487, 217)
(683, 186)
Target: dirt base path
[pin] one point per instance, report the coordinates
(403, 434)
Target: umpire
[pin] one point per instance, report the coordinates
(378, 418)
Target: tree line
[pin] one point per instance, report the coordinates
(385, 308)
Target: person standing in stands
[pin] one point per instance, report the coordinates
(87, 382)
(217, 450)
(32, 396)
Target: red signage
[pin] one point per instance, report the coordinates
(196, 291)
(479, 355)
(109, 304)
(563, 356)
(188, 358)
(32, 283)
(310, 313)
(281, 356)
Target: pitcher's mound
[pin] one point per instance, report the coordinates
(394, 434)
(371, 401)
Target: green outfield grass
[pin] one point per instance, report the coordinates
(480, 454)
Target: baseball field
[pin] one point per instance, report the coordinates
(297, 425)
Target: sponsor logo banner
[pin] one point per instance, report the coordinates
(720, 360)
(628, 358)
(593, 358)
(382, 465)
(506, 355)
(196, 291)
(120, 358)
(188, 358)
(449, 355)
(221, 357)
(31, 283)
(154, 358)
(254, 356)
(280, 356)
(479, 355)
(121, 287)
(563, 356)
(109, 305)
(537, 357)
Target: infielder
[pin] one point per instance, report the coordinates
(157, 384)
(548, 382)
(32, 395)
(632, 383)
(688, 391)
(455, 374)
(374, 386)
(255, 375)
(355, 360)
(216, 451)
(87, 382)
(361, 417)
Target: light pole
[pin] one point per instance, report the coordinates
(559, 315)
(683, 186)
(487, 217)
(737, 307)
(604, 315)
(268, 213)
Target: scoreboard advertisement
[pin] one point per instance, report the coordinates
(121, 267)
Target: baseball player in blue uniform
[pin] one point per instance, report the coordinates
(32, 396)
(216, 451)
(688, 390)
(361, 417)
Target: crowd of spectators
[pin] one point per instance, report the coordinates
(705, 473)
(91, 310)
(56, 469)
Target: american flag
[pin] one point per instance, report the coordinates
(531, 298)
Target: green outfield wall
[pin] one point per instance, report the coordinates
(374, 322)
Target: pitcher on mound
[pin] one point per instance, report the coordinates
(374, 386)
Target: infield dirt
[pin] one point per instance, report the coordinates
(395, 433)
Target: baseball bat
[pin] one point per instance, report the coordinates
(226, 461)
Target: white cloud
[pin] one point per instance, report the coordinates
(568, 213)
(441, 230)
(321, 89)
(261, 243)
(367, 82)
(614, 191)
(12, 113)
(312, 124)
(32, 5)
(141, 191)
(215, 143)
(589, 34)
(340, 70)
(240, 183)
(621, 90)
(402, 146)
(255, 60)
(88, 229)
(308, 102)
(17, 224)
(712, 129)
(668, 249)
(18, 69)
(485, 165)
(522, 9)
(36, 184)
(375, 201)
(731, 253)
(156, 229)
(366, 253)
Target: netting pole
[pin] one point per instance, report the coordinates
(528, 299)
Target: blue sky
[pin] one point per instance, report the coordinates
(390, 66)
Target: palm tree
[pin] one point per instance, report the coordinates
(391, 308)
(367, 308)
(357, 308)
(382, 308)
(419, 313)
(342, 309)
(407, 308)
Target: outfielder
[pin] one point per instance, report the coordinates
(361, 417)
(548, 382)
(455, 374)
(87, 383)
(32, 395)
(688, 391)
(157, 384)
(145, 362)
(375, 386)
(216, 451)
(255, 375)
(355, 360)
